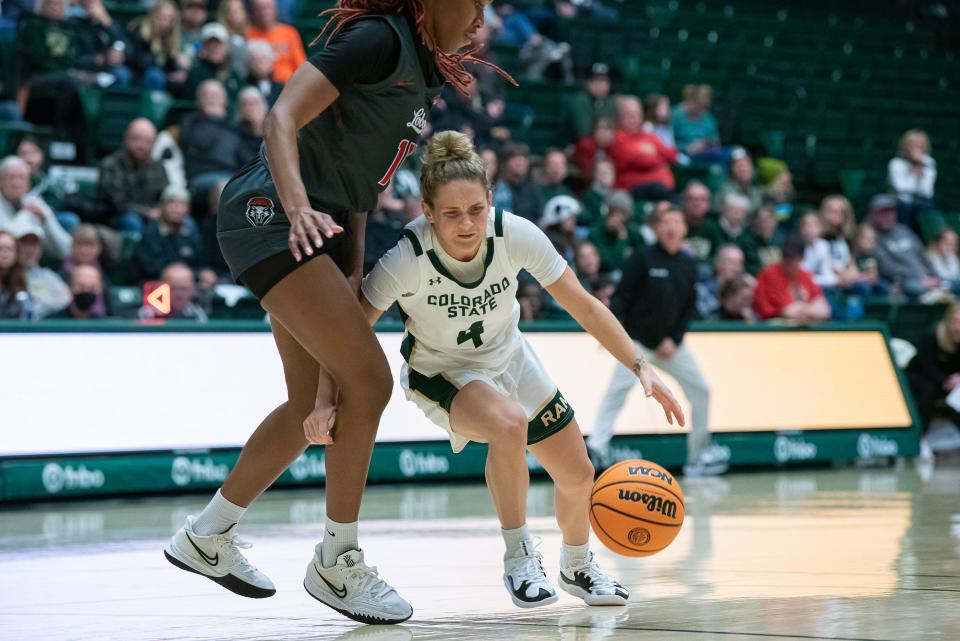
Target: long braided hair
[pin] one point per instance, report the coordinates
(450, 65)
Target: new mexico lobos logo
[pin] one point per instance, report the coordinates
(260, 211)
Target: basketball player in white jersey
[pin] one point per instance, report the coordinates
(454, 274)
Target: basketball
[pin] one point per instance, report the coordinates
(636, 508)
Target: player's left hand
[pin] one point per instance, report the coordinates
(657, 389)
(318, 427)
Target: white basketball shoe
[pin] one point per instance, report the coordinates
(355, 590)
(526, 580)
(588, 582)
(218, 558)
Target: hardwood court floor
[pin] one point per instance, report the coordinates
(809, 555)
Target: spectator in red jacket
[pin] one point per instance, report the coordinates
(786, 290)
(642, 160)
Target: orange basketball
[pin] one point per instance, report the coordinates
(636, 508)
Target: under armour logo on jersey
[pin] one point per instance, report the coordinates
(435, 281)
(419, 122)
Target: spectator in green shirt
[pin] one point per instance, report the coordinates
(583, 109)
(594, 200)
(694, 127)
(614, 237)
(733, 229)
(703, 237)
(213, 63)
(739, 181)
(556, 170)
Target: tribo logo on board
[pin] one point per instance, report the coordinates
(654, 503)
(639, 470)
(416, 464)
(787, 449)
(308, 466)
(873, 446)
(185, 470)
(57, 478)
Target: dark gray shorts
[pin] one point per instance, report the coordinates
(252, 226)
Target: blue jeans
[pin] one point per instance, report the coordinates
(122, 75)
(154, 79)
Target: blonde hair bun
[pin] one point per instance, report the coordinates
(450, 156)
(448, 146)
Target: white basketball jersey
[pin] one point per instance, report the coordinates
(449, 321)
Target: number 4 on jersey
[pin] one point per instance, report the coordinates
(472, 334)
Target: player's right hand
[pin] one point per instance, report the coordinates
(308, 228)
(318, 427)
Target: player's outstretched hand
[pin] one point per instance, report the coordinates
(318, 427)
(654, 387)
(308, 228)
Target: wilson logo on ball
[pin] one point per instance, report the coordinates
(653, 503)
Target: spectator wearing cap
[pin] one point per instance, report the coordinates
(86, 287)
(212, 148)
(213, 62)
(260, 58)
(525, 195)
(169, 239)
(594, 200)
(786, 290)
(556, 171)
(183, 289)
(695, 128)
(47, 290)
(642, 160)
(901, 256)
(559, 222)
(739, 181)
(594, 101)
(776, 186)
(19, 208)
(655, 301)
(595, 146)
(912, 175)
(131, 181)
(284, 39)
(14, 297)
(613, 236)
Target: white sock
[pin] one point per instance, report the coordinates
(218, 517)
(518, 542)
(337, 539)
(571, 555)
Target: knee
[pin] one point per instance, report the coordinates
(371, 390)
(511, 427)
(577, 473)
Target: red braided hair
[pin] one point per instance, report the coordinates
(450, 65)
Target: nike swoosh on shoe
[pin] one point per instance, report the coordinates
(212, 560)
(340, 592)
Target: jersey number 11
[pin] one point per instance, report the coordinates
(405, 150)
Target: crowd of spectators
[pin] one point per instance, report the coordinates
(625, 159)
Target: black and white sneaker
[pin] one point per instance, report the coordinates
(526, 580)
(355, 590)
(218, 558)
(588, 582)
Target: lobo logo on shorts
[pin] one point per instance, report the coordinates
(260, 211)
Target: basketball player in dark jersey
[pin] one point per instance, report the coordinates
(291, 226)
